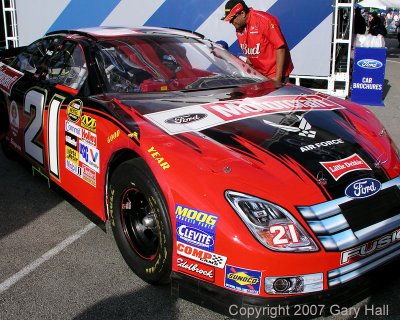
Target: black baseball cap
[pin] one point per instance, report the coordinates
(232, 8)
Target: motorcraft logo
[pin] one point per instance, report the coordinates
(369, 64)
(223, 112)
(369, 248)
(363, 188)
(340, 167)
(243, 280)
(200, 255)
(8, 77)
(186, 118)
(195, 269)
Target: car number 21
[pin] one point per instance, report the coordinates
(36, 100)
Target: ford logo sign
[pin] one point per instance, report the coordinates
(186, 118)
(363, 188)
(369, 64)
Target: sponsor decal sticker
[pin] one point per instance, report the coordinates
(89, 156)
(340, 167)
(73, 129)
(195, 237)
(8, 77)
(74, 110)
(89, 175)
(200, 255)
(71, 141)
(363, 188)
(74, 168)
(369, 248)
(195, 227)
(222, 112)
(89, 137)
(89, 123)
(198, 270)
(204, 220)
(369, 64)
(72, 155)
(243, 280)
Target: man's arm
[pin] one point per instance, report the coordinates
(280, 62)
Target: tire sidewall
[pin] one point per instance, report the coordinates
(135, 173)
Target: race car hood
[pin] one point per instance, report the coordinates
(304, 131)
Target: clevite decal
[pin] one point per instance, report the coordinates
(217, 113)
(340, 167)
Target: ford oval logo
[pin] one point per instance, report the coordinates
(369, 64)
(186, 118)
(363, 188)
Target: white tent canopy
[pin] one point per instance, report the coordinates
(380, 4)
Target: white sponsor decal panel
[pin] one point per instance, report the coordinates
(200, 255)
(213, 114)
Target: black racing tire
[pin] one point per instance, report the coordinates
(140, 221)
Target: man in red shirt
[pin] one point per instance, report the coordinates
(260, 39)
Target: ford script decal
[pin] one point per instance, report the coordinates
(186, 118)
(363, 188)
(369, 64)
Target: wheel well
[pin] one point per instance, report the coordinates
(117, 158)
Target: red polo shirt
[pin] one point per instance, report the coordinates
(259, 41)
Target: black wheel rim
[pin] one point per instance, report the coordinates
(139, 223)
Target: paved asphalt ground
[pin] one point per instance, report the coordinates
(56, 264)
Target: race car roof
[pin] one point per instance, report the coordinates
(105, 32)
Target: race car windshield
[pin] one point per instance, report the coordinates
(165, 63)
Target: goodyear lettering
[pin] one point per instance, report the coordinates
(195, 217)
(156, 155)
(114, 136)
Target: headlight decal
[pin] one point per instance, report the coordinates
(272, 225)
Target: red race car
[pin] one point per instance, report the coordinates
(239, 189)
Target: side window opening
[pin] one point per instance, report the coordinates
(68, 66)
